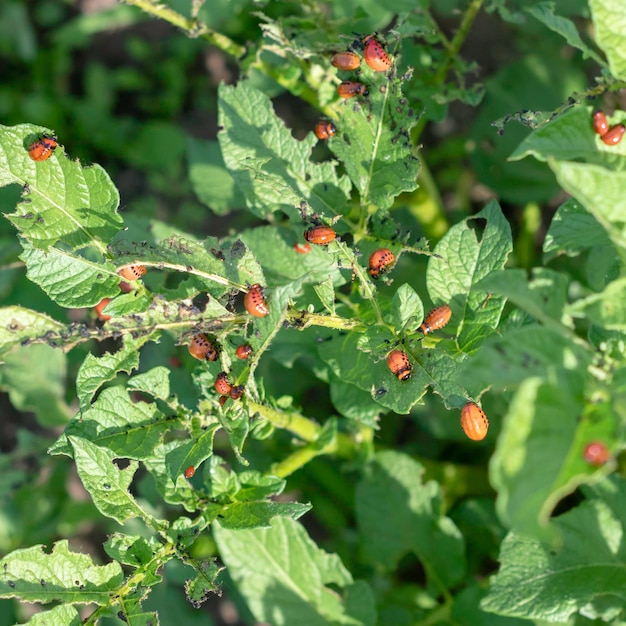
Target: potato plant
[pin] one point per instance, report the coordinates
(352, 405)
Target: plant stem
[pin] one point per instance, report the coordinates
(193, 27)
(341, 445)
(304, 319)
(452, 51)
(295, 423)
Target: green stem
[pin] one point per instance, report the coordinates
(452, 51)
(295, 423)
(193, 27)
(458, 39)
(303, 319)
(342, 445)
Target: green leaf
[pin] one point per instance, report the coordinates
(284, 576)
(200, 588)
(608, 22)
(527, 352)
(601, 191)
(137, 301)
(392, 482)
(373, 141)
(583, 572)
(44, 366)
(606, 309)
(354, 403)
(19, 326)
(543, 297)
(465, 259)
(570, 137)
(466, 611)
(249, 515)
(179, 491)
(192, 452)
(211, 181)
(32, 575)
(131, 549)
(71, 280)
(271, 168)
(407, 306)
(95, 371)
(273, 248)
(533, 465)
(544, 12)
(129, 429)
(108, 485)
(214, 267)
(61, 615)
(62, 201)
(155, 382)
(572, 230)
(326, 293)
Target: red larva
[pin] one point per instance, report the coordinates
(132, 272)
(202, 349)
(614, 136)
(43, 148)
(302, 248)
(190, 471)
(380, 260)
(596, 453)
(243, 352)
(436, 319)
(399, 365)
(474, 422)
(325, 129)
(320, 235)
(350, 89)
(375, 54)
(223, 400)
(254, 301)
(600, 123)
(237, 391)
(222, 384)
(100, 306)
(346, 60)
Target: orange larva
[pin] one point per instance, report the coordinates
(132, 272)
(436, 319)
(100, 306)
(614, 136)
(43, 148)
(320, 235)
(302, 248)
(596, 453)
(325, 129)
(243, 352)
(202, 349)
(380, 260)
(237, 391)
(254, 301)
(600, 123)
(222, 384)
(190, 471)
(346, 60)
(350, 89)
(398, 363)
(375, 54)
(474, 422)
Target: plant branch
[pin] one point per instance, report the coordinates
(193, 27)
